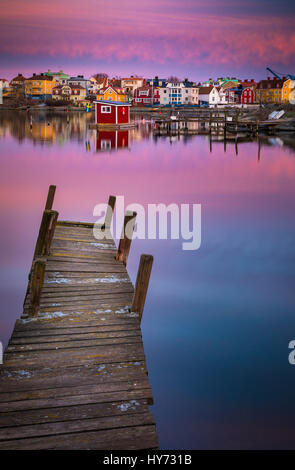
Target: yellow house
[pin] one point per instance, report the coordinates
(269, 91)
(75, 93)
(288, 91)
(112, 94)
(40, 86)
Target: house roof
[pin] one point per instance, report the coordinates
(117, 90)
(205, 90)
(113, 103)
(41, 76)
(270, 84)
(19, 78)
(132, 78)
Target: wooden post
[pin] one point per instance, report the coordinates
(37, 281)
(109, 213)
(50, 197)
(142, 283)
(126, 237)
(46, 233)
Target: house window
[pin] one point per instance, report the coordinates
(105, 109)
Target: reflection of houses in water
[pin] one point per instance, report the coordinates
(107, 141)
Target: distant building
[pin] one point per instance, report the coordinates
(39, 87)
(179, 93)
(19, 80)
(146, 95)
(4, 82)
(209, 95)
(74, 93)
(156, 82)
(110, 93)
(270, 90)
(79, 80)
(112, 113)
(97, 84)
(130, 84)
(60, 76)
(288, 91)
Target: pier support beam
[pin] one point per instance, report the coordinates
(46, 233)
(142, 283)
(50, 197)
(109, 213)
(37, 281)
(126, 237)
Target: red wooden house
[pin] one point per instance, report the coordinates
(112, 113)
(248, 96)
(146, 95)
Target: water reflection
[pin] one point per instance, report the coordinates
(60, 127)
(217, 321)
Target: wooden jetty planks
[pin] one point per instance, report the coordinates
(74, 373)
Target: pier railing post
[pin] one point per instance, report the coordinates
(36, 284)
(142, 283)
(46, 233)
(50, 197)
(126, 237)
(109, 213)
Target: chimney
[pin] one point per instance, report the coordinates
(268, 78)
(284, 78)
(252, 80)
(275, 78)
(246, 80)
(34, 75)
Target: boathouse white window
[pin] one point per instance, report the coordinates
(105, 109)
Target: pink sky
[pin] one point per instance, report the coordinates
(190, 38)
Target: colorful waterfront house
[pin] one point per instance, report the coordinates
(209, 96)
(179, 93)
(111, 93)
(156, 82)
(4, 82)
(112, 140)
(39, 87)
(112, 113)
(97, 84)
(79, 80)
(74, 93)
(269, 91)
(60, 76)
(248, 95)
(18, 81)
(288, 91)
(130, 84)
(146, 96)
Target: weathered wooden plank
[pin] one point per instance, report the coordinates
(83, 267)
(70, 391)
(18, 379)
(129, 438)
(121, 395)
(77, 412)
(79, 336)
(64, 427)
(77, 343)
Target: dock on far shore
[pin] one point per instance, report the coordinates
(74, 373)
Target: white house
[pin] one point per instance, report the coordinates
(179, 93)
(209, 95)
(79, 80)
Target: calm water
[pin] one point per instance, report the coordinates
(217, 321)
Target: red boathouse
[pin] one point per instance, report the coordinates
(112, 113)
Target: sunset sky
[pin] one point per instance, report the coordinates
(189, 38)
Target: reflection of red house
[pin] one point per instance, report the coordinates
(111, 112)
(112, 140)
(146, 95)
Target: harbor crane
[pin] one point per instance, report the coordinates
(275, 74)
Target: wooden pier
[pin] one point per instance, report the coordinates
(74, 373)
